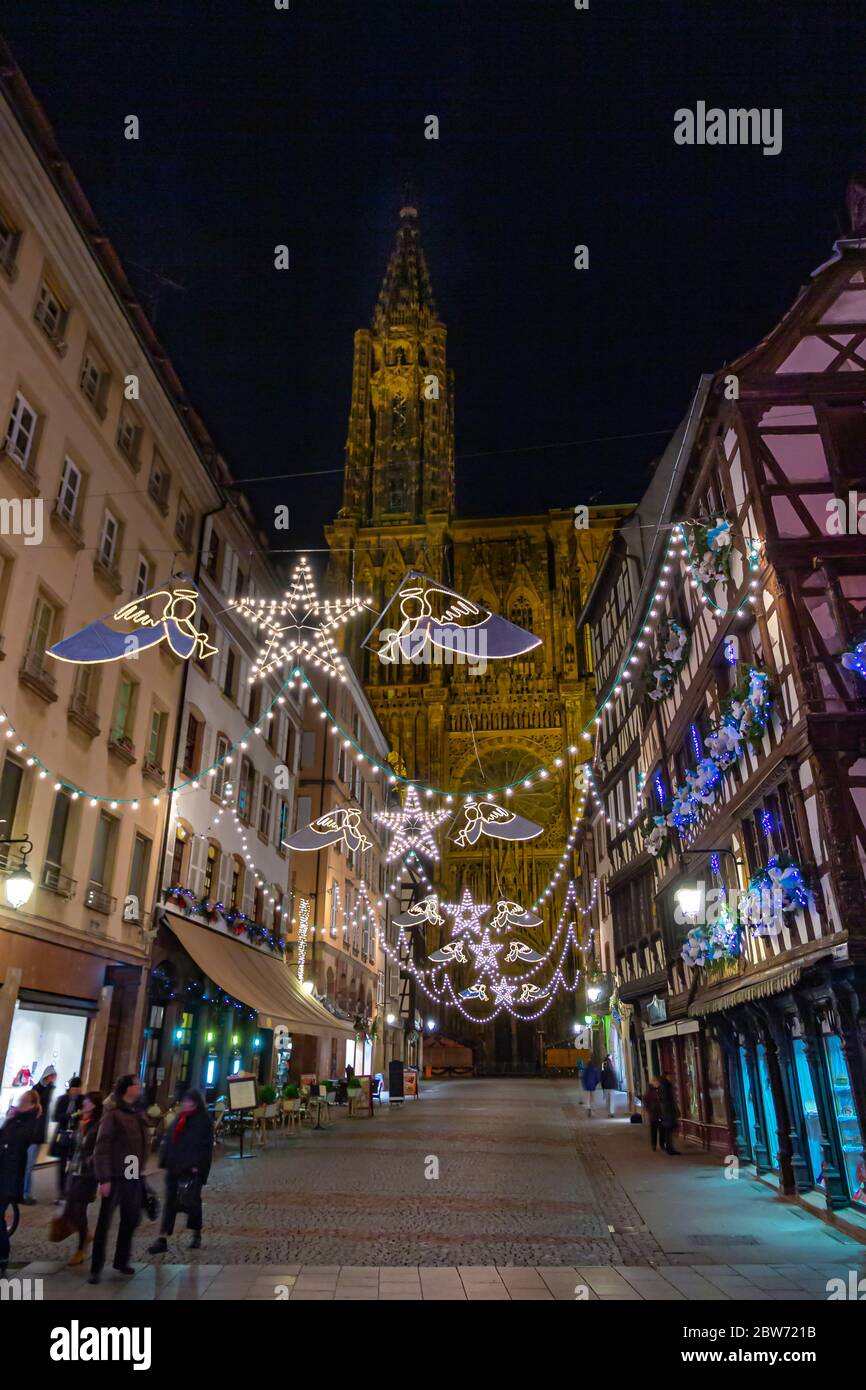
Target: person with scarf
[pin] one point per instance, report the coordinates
(185, 1154)
(81, 1178)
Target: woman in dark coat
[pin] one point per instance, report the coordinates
(65, 1117)
(16, 1137)
(185, 1154)
(81, 1178)
(668, 1113)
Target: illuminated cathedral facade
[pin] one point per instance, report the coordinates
(467, 726)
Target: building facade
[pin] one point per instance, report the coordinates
(467, 725)
(730, 832)
(105, 475)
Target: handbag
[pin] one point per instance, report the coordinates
(188, 1189)
(150, 1202)
(60, 1227)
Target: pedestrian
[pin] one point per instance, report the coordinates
(45, 1090)
(652, 1104)
(119, 1158)
(81, 1178)
(16, 1137)
(590, 1085)
(669, 1113)
(185, 1154)
(609, 1083)
(66, 1111)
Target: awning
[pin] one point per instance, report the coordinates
(741, 990)
(262, 981)
(677, 1028)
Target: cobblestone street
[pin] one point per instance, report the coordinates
(531, 1200)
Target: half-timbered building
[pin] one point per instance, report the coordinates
(731, 760)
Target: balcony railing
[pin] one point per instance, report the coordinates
(99, 901)
(56, 881)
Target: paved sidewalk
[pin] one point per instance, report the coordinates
(473, 1283)
(533, 1201)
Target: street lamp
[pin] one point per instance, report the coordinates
(689, 900)
(594, 993)
(19, 885)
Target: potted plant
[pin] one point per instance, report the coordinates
(267, 1095)
(290, 1092)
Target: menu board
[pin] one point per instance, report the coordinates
(242, 1093)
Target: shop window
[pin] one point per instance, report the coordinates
(809, 1107)
(771, 1126)
(845, 1115)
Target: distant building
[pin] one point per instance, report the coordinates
(463, 726)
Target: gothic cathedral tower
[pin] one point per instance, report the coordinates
(455, 726)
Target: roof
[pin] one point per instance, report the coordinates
(406, 296)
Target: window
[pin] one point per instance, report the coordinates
(10, 791)
(124, 711)
(21, 434)
(212, 562)
(94, 379)
(103, 851)
(69, 491)
(138, 869)
(183, 522)
(246, 791)
(156, 736)
(211, 871)
(335, 903)
(192, 744)
(159, 482)
(218, 781)
(230, 674)
(283, 824)
(255, 705)
(51, 313)
(9, 240)
(128, 437)
(57, 832)
(266, 809)
(259, 904)
(202, 659)
(240, 582)
(86, 688)
(177, 858)
(45, 617)
(108, 541)
(237, 884)
(143, 575)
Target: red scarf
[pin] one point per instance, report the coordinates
(180, 1126)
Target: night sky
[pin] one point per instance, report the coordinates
(556, 127)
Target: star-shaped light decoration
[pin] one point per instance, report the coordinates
(485, 952)
(413, 827)
(503, 992)
(466, 914)
(300, 625)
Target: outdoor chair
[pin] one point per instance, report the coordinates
(219, 1111)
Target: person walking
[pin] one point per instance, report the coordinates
(119, 1158)
(44, 1089)
(590, 1085)
(81, 1179)
(16, 1138)
(609, 1083)
(652, 1104)
(669, 1113)
(185, 1154)
(66, 1111)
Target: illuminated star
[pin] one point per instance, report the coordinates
(485, 952)
(413, 827)
(307, 625)
(467, 914)
(503, 992)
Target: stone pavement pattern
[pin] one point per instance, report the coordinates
(532, 1201)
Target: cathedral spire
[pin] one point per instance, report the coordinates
(400, 444)
(406, 296)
